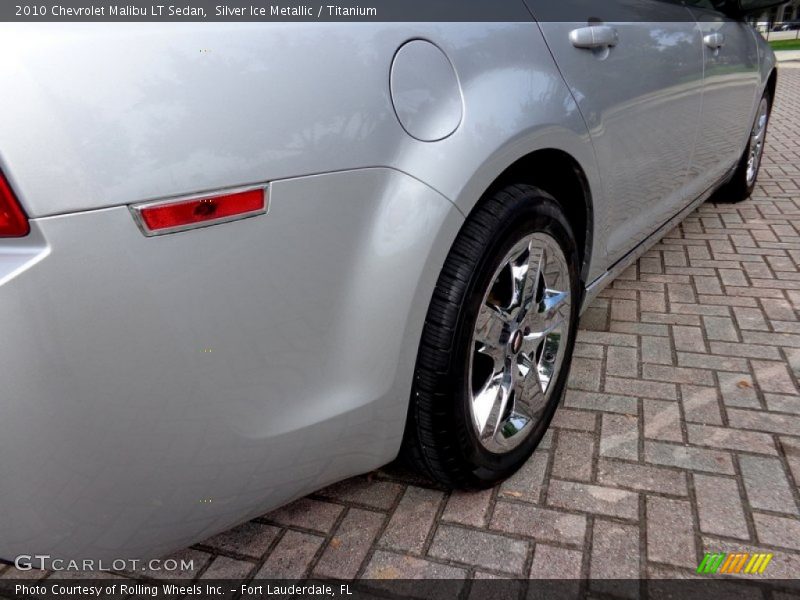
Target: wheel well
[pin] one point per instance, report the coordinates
(558, 174)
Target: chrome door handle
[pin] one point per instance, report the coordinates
(715, 41)
(594, 36)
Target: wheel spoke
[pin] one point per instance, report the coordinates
(552, 303)
(490, 324)
(489, 334)
(529, 398)
(537, 260)
(545, 369)
(489, 405)
(548, 314)
(533, 340)
(519, 267)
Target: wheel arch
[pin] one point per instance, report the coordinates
(561, 175)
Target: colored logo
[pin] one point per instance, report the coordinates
(734, 562)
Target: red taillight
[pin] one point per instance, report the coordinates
(13, 222)
(178, 215)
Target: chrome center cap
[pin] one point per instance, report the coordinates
(516, 342)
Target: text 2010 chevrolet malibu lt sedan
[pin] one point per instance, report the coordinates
(242, 261)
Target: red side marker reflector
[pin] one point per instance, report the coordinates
(13, 222)
(169, 216)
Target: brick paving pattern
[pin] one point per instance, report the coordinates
(680, 432)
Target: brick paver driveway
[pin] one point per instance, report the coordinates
(680, 432)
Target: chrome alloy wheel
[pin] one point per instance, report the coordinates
(757, 139)
(519, 342)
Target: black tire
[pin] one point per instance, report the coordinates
(739, 188)
(439, 438)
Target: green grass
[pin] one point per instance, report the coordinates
(785, 44)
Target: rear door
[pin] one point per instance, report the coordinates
(636, 71)
(731, 83)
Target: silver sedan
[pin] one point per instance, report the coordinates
(239, 263)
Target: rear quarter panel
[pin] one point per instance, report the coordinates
(312, 313)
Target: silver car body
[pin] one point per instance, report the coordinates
(159, 390)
